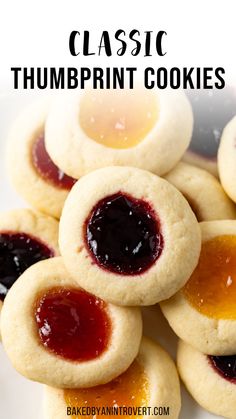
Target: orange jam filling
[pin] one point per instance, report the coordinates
(129, 389)
(212, 287)
(118, 119)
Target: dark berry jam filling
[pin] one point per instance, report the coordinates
(123, 234)
(225, 366)
(212, 110)
(47, 169)
(18, 251)
(73, 324)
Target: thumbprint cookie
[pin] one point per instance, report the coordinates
(203, 192)
(91, 129)
(26, 237)
(212, 110)
(32, 172)
(227, 159)
(211, 380)
(150, 386)
(128, 236)
(65, 336)
(203, 313)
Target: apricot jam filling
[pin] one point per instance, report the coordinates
(129, 389)
(18, 251)
(212, 287)
(73, 324)
(119, 119)
(46, 168)
(123, 234)
(224, 366)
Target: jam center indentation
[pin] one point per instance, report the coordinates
(212, 287)
(129, 389)
(123, 234)
(18, 251)
(119, 119)
(46, 168)
(73, 323)
(225, 366)
(212, 110)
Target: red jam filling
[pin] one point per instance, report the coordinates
(123, 234)
(73, 324)
(47, 169)
(224, 366)
(212, 110)
(18, 251)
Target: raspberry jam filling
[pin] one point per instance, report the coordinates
(225, 366)
(212, 287)
(18, 251)
(118, 120)
(129, 389)
(47, 169)
(123, 234)
(73, 324)
(212, 110)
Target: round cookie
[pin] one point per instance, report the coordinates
(65, 336)
(203, 312)
(212, 110)
(203, 192)
(98, 128)
(151, 383)
(26, 237)
(210, 380)
(226, 159)
(30, 168)
(128, 236)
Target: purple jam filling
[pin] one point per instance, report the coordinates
(18, 251)
(47, 169)
(225, 366)
(212, 110)
(123, 234)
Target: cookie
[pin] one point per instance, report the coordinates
(226, 159)
(26, 237)
(212, 110)
(211, 380)
(31, 170)
(128, 236)
(203, 313)
(91, 129)
(203, 192)
(65, 336)
(150, 384)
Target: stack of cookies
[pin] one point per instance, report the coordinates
(118, 222)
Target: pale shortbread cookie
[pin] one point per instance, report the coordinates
(32, 359)
(210, 165)
(203, 192)
(178, 225)
(159, 151)
(36, 225)
(207, 387)
(227, 159)
(40, 193)
(163, 384)
(207, 334)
